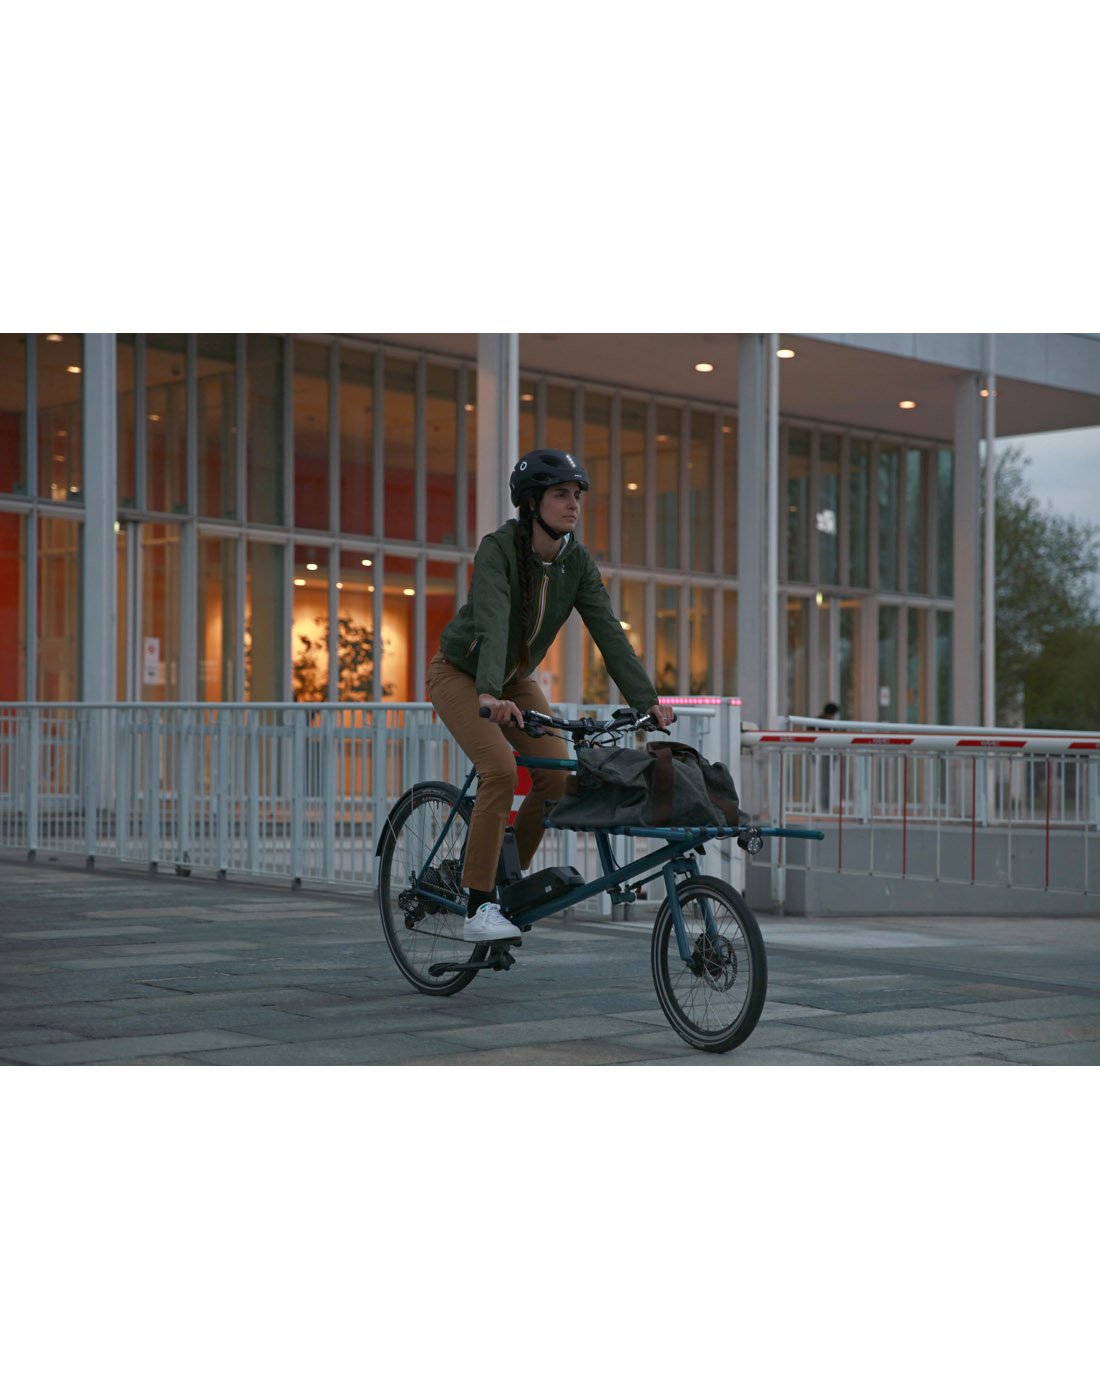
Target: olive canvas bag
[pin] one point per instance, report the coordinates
(661, 785)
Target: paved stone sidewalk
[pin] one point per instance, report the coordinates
(125, 968)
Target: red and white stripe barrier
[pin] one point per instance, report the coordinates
(923, 743)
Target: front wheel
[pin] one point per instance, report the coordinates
(715, 1000)
(420, 932)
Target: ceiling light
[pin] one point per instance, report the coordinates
(409, 592)
(366, 563)
(907, 403)
(632, 486)
(299, 583)
(154, 418)
(55, 337)
(469, 408)
(704, 368)
(785, 354)
(339, 585)
(985, 393)
(527, 398)
(311, 567)
(73, 369)
(370, 587)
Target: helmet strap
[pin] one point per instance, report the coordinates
(554, 534)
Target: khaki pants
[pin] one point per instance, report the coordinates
(489, 749)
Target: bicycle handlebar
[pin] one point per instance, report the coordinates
(622, 721)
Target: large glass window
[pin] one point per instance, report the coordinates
(219, 619)
(217, 417)
(851, 660)
(916, 572)
(13, 415)
(632, 615)
(798, 506)
(126, 418)
(943, 668)
(60, 417)
(700, 632)
(311, 501)
(357, 654)
(701, 494)
(828, 508)
(399, 436)
(668, 642)
(309, 625)
(527, 441)
(730, 510)
(356, 442)
(166, 423)
(442, 414)
(888, 622)
(915, 679)
(668, 487)
(59, 595)
(859, 513)
(159, 653)
(264, 640)
(729, 642)
(633, 475)
(398, 623)
(440, 605)
(798, 656)
(265, 356)
(13, 605)
(888, 461)
(559, 419)
(596, 459)
(945, 516)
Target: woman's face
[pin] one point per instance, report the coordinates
(561, 507)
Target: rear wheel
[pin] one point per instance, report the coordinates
(421, 932)
(715, 1000)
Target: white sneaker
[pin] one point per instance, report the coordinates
(488, 925)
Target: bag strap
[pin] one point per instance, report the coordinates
(664, 782)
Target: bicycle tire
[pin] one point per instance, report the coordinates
(411, 830)
(694, 997)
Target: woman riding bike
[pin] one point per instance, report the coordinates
(528, 576)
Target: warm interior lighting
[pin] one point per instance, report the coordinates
(339, 585)
(821, 600)
(985, 393)
(154, 418)
(704, 368)
(370, 587)
(527, 398)
(73, 369)
(366, 563)
(409, 592)
(469, 408)
(299, 583)
(632, 486)
(55, 337)
(311, 567)
(907, 403)
(784, 354)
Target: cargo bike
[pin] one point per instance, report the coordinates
(707, 954)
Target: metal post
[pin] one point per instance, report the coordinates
(773, 529)
(989, 707)
(497, 426)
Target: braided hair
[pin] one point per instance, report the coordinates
(529, 572)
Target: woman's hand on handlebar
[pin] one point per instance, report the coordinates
(500, 711)
(663, 714)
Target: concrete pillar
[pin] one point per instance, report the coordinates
(99, 604)
(966, 629)
(497, 427)
(752, 508)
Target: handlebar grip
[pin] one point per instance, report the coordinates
(483, 711)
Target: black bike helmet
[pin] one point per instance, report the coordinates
(543, 468)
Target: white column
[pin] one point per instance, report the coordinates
(966, 630)
(99, 603)
(751, 532)
(989, 632)
(497, 427)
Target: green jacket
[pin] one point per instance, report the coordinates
(484, 638)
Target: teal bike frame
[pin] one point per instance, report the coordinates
(677, 856)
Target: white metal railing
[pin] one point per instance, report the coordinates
(1010, 808)
(291, 791)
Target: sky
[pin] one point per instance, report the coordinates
(1064, 470)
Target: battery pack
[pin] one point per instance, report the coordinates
(539, 887)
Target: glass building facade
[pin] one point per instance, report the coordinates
(296, 520)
